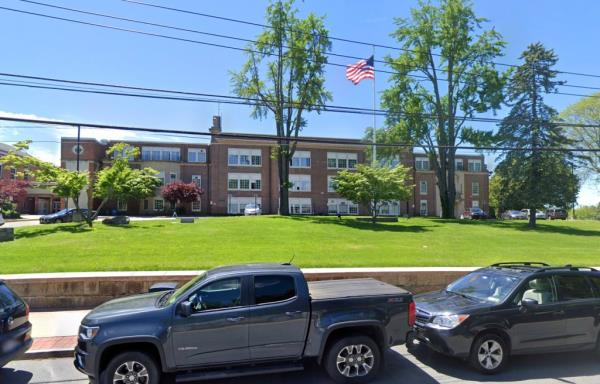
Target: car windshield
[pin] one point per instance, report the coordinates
(61, 212)
(181, 291)
(484, 286)
(251, 206)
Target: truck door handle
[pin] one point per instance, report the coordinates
(293, 313)
(559, 313)
(235, 319)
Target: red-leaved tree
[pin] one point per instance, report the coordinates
(11, 190)
(180, 192)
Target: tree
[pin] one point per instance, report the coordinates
(443, 77)
(529, 174)
(586, 111)
(284, 76)
(180, 192)
(11, 190)
(373, 186)
(120, 182)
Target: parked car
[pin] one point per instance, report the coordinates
(539, 215)
(15, 328)
(1, 220)
(474, 214)
(252, 209)
(514, 215)
(243, 320)
(63, 216)
(556, 214)
(510, 309)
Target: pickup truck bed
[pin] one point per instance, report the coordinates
(350, 288)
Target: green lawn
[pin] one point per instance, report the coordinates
(312, 241)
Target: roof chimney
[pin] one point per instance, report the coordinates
(216, 125)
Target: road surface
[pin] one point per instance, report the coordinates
(401, 367)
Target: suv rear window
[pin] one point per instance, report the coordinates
(573, 287)
(8, 299)
(269, 289)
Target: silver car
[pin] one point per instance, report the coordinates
(538, 214)
(252, 210)
(1, 220)
(514, 215)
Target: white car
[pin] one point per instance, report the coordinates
(1, 220)
(252, 210)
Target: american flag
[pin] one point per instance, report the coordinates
(364, 69)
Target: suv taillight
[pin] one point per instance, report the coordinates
(412, 314)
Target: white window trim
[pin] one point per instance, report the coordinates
(302, 204)
(473, 184)
(342, 156)
(251, 177)
(426, 208)
(422, 159)
(197, 151)
(198, 208)
(163, 205)
(475, 161)
(244, 152)
(161, 150)
(234, 200)
(330, 190)
(301, 155)
(421, 184)
(199, 178)
(300, 178)
(475, 204)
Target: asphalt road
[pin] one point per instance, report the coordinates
(401, 367)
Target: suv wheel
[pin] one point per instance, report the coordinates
(355, 359)
(489, 354)
(131, 368)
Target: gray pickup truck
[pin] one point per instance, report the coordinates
(245, 320)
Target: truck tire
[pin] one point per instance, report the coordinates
(489, 354)
(131, 368)
(354, 359)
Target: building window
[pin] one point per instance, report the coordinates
(475, 204)
(330, 184)
(474, 165)
(423, 208)
(423, 187)
(459, 165)
(161, 178)
(160, 154)
(196, 155)
(244, 182)
(390, 209)
(197, 179)
(196, 206)
(159, 204)
(122, 205)
(13, 173)
(300, 183)
(341, 207)
(301, 159)
(146, 204)
(236, 205)
(475, 188)
(337, 160)
(240, 157)
(300, 206)
(422, 164)
(172, 177)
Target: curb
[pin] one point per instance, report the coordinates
(48, 354)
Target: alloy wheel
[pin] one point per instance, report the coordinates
(355, 360)
(131, 372)
(490, 354)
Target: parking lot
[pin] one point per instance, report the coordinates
(401, 367)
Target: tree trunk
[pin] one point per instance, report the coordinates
(374, 211)
(532, 217)
(284, 177)
(90, 219)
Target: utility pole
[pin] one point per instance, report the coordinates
(374, 138)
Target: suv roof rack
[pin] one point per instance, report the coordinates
(569, 267)
(521, 264)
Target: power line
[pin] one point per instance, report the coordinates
(262, 137)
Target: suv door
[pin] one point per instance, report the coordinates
(278, 318)
(542, 327)
(576, 294)
(217, 330)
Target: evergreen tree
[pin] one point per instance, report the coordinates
(531, 173)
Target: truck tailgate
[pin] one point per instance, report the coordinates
(348, 288)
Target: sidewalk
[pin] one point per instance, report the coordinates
(54, 333)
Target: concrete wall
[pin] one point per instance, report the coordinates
(58, 291)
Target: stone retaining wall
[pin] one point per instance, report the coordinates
(60, 291)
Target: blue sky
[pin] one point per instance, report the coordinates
(36, 46)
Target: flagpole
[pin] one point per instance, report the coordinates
(374, 160)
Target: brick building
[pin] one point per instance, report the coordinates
(38, 200)
(235, 170)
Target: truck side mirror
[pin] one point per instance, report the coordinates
(529, 304)
(185, 308)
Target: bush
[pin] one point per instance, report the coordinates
(588, 212)
(9, 211)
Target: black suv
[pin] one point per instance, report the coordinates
(511, 309)
(15, 328)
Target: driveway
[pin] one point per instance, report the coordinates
(401, 367)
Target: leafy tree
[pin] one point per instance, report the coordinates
(120, 182)
(373, 186)
(180, 192)
(588, 212)
(285, 76)
(443, 76)
(586, 111)
(530, 175)
(11, 190)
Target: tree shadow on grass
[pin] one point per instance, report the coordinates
(523, 226)
(39, 232)
(351, 222)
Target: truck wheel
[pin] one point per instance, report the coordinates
(355, 359)
(489, 354)
(131, 368)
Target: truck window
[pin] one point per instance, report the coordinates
(269, 289)
(226, 293)
(573, 287)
